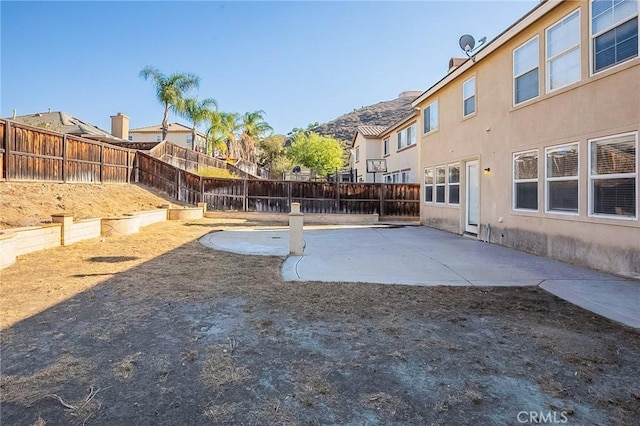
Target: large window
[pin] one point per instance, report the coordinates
(469, 97)
(525, 71)
(562, 178)
(614, 32)
(453, 183)
(613, 176)
(563, 52)
(430, 117)
(411, 135)
(406, 176)
(428, 185)
(440, 184)
(385, 145)
(525, 180)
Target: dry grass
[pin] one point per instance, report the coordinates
(125, 369)
(27, 390)
(220, 367)
(385, 401)
(312, 383)
(221, 413)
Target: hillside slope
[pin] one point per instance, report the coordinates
(380, 114)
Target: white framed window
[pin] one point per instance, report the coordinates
(158, 138)
(130, 138)
(387, 179)
(469, 97)
(406, 176)
(385, 146)
(562, 165)
(395, 178)
(189, 140)
(440, 184)
(613, 176)
(453, 183)
(563, 52)
(357, 153)
(526, 72)
(614, 32)
(428, 185)
(411, 135)
(430, 117)
(399, 136)
(525, 180)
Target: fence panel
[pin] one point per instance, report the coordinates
(268, 196)
(189, 187)
(2, 150)
(34, 154)
(401, 200)
(157, 174)
(115, 165)
(83, 160)
(223, 194)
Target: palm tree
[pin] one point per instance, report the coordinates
(196, 112)
(224, 127)
(170, 90)
(253, 128)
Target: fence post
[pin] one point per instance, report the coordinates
(245, 195)
(381, 212)
(128, 166)
(177, 183)
(101, 161)
(7, 150)
(337, 194)
(64, 158)
(136, 168)
(201, 189)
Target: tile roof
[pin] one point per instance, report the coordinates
(371, 130)
(62, 122)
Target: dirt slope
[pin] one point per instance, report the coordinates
(29, 204)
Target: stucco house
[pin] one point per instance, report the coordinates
(178, 134)
(533, 144)
(396, 144)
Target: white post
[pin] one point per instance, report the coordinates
(296, 221)
(66, 220)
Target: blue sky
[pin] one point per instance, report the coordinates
(300, 62)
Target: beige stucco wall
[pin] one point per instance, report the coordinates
(370, 148)
(406, 159)
(601, 105)
(177, 138)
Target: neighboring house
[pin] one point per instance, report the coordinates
(62, 122)
(396, 144)
(534, 145)
(178, 134)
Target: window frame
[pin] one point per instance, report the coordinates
(515, 77)
(357, 153)
(436, 184)
(515, 181)
(158, 138)
(411, 131)
(425, 184)
(450, 184)
(399, 140)
(385, 147)
(405, 176)
(591, 178)
(424, 115)
(592, 37)
(548, 59)
(559, 179)
(475, 99)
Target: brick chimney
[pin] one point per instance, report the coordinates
(120, 126)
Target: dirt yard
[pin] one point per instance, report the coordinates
(30, 204)
(157, 329)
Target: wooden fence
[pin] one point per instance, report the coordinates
(192, 161)
(30, 153)
(259, 195)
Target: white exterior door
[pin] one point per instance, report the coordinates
(472, 210)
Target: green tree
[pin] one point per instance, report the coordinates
(170, 90)
(322, 154)
(270, 149)
(224, 128)
(254, 127)
(196, 112)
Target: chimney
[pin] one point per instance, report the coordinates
(120, 126)
(455, 63)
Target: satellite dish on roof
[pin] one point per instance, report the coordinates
(468, 45)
